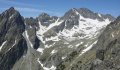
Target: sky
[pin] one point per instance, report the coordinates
(33, 8)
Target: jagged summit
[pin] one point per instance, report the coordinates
(85, 10)
(11, 8)
(118, 18)
(11, 13)
(81, 9)
(11, 38)
(46, 19)
(44, 15)
(87, 13)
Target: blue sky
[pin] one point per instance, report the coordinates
(33, 8)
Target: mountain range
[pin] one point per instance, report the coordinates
(79, 40)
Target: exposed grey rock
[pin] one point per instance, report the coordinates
(108, 48)
(90, 14)
(11, 29)
(32, 27)
(46, 19)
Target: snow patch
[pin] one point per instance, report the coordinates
(88, 48)
(75, 11)
(117, 32)
(89, 28)
(48, 46)
(40, 32)
(69, 39)
(86, 45)
(2, 45)
(64, 57)
(55, 38)
(40, 37)
(12, 45)
(30, 26)
(44, 29)
(45, 68)
(28, 38)
(99, 15)
(113, 35)
(53, 51)
(70, 46)
(40, 50)
(79, 44)
(11, 16)
(54, 24)
(66, 42)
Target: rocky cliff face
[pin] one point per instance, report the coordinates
(12, 44)
(31, 28)
(108, 50)
(56, 43)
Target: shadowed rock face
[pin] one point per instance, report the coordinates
(108, 48)
(46, 19)
(31, 27)
(11, 29)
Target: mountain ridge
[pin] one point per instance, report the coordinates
(13, 48)
(50, 42)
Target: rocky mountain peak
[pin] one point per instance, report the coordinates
(11, 19)
(73, 9)
(118, 18)
(72, 13)
(10, 13)
(44, 15)
(80, 11)
(87, 13)
(11, 9)
(46, 19)
(11, 30)
(85, 10)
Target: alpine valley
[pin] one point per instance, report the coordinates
(79, 40)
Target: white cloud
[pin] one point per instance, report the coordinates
(15, 3)
(26, 9)
(34, 10)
